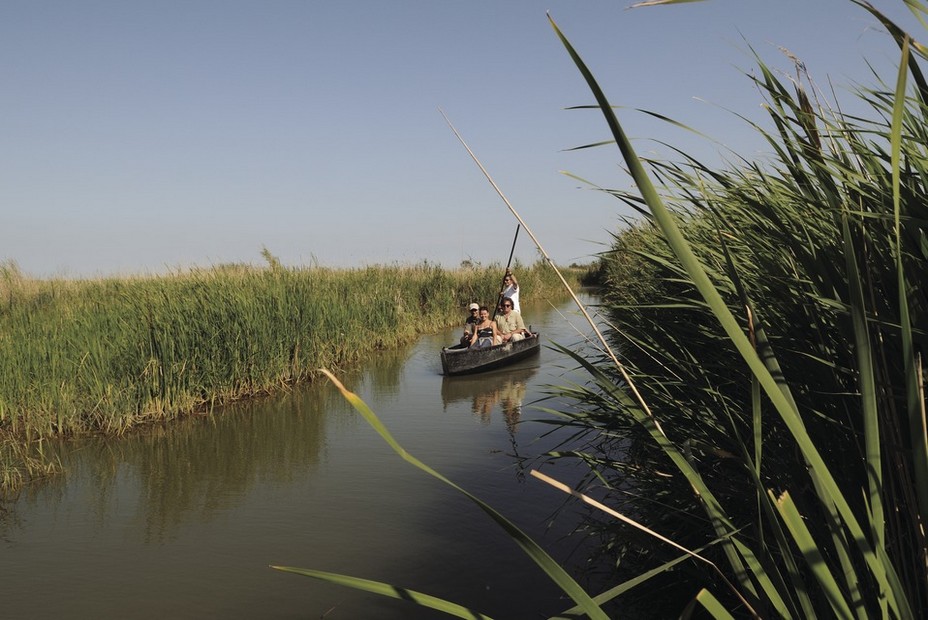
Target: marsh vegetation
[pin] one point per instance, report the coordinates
(758, 406)
(768, 408)
(106, 355)
(754, 426)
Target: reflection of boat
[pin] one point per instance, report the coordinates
(472, 388)
(486, 392)
(462, 360)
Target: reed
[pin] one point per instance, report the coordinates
(24, 461)
(762, 437)
(769, 400)
(105, 355)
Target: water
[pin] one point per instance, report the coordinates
(184, 520)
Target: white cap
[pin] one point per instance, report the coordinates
(473, 307)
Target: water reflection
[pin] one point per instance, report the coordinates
(506, 388)
(189, 471)
(383, 374)
(200, 508)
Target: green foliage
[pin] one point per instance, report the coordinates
(104, 355)
(771, 320)
(770, 396)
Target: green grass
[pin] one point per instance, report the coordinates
(105, 355)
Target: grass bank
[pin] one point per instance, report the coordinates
(105, 355)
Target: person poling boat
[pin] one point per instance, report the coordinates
(494, 341)
(461, 359)
(511, 289)
(507, 318)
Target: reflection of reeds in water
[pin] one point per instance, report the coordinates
(193, 469)
(22, 461)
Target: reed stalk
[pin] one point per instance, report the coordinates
(770, 315)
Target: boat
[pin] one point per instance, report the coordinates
(463, 360)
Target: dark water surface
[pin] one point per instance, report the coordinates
(183, 521)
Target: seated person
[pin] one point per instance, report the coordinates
(510, 323)
(472, 320)
(486, 333)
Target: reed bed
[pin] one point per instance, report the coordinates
(755, 422)
(768, 405)
(105, 355)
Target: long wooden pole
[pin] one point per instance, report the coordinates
(602, 339)
(513, 250)
(544, 254)
(499, 298)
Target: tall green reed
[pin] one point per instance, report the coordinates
(769, 404)
(773, 342)
(105, 355)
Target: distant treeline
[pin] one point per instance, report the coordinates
(104, 355)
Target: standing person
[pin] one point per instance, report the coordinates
(486, 333)
(472, 319)
(510, 322)
(511, 290)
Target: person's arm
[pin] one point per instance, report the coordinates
(498, 336)
(498, 326)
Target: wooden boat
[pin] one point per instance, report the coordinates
(462, 360)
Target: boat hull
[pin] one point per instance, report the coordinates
(461, 360)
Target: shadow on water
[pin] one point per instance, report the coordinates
(503, 391)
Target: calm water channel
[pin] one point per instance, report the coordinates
(183, 522)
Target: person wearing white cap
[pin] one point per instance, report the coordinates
(472, 320)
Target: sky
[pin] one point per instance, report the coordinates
(150, 137)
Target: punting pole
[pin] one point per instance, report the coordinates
(544, 254)
(499, 298)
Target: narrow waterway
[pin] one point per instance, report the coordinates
(184, 521)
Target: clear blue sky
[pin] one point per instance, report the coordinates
(140, 137)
